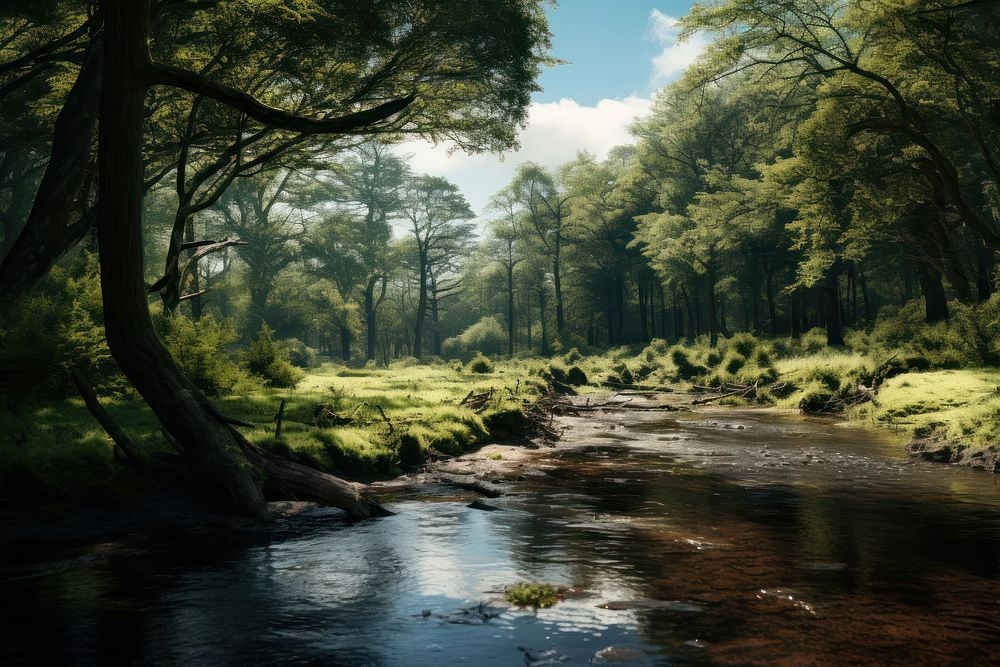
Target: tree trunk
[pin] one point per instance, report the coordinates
(345, 342)
(557, 284)
(834, 324)
(418, 327)
(793, 314)
(935, 299)
(985, 262)
(643, 311)
(772, 311)
(221, 459)
(713, 321)
(370, 320)
(510, 310)
(545, 327)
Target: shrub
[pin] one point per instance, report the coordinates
(742, 344)
(813, 341)
(557, 372)
(572, 356)
(201, 349)
(576, 377)
(480, 364)
(733, 363)
(300, 354)
(52, 328)
(268, 359)
(485, 336)
(685, 369)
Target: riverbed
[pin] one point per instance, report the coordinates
(706, 536)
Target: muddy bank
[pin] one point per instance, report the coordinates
(937, 449)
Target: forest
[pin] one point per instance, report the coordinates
(223, 273)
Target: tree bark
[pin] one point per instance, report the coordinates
(834, 324)
(935, 299)
(510, 310)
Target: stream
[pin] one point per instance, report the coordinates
(714, 536)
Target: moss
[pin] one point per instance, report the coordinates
(533, 595)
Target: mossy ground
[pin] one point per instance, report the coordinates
(962, 405)
(57, 454)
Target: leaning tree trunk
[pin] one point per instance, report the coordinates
(46, 234)
(222, 459)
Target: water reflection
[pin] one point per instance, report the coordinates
(718, 536)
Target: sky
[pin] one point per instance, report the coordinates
(618, 53)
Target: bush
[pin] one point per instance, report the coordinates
(557, 372)
(576, 377)
(268, 359)
(480, 364)
(300, 354)
(572, 356)
(52, 328)
(685, 369)
(486, 336)
(733, 363)
(201, 349)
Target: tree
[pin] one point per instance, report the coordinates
(434, 210)
(226, 460)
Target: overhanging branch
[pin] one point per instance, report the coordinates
(167, 75)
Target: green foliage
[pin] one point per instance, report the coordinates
(300, 354)
(685, 370)
(480, 364)
(268, 359)
(56, 327)
(534, 595)
(201, 349)
(487, 336)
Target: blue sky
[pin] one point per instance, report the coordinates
(619, 53)
(609, 45)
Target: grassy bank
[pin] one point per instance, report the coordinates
(370, 422)
(921, 389)
(363, 423)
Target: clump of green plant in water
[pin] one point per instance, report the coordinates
(480, 364)
(534, 595)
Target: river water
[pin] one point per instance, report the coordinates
(716, 536)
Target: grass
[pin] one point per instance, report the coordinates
(366, 423)
(962, 405)
(58, 455)
(534, 595)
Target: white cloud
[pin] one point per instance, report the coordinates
(555, 133)
(676, 55)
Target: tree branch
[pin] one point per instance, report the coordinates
(167, 75)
